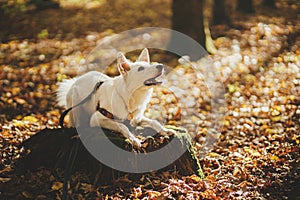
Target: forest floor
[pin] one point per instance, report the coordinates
(258, 57)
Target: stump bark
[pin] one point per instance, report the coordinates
(51, 148)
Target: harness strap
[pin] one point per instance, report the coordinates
(106, 113)
(63, 115)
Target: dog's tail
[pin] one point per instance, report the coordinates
(62, 91)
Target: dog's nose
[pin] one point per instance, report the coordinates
(159, 67)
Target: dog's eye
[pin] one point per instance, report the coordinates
(141, 68)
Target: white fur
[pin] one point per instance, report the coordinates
(124, 96)
(63, 88)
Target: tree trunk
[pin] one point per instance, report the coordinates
(269, 3)
(219, 14)
(52, 149)
(188, 19)
(245, 6)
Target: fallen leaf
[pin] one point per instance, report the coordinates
(57, 185)
(30, 119)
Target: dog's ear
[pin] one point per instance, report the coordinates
(123, 64)
(144, 56)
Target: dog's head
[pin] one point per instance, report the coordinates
(141, 72)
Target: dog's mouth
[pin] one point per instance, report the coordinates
(157, 80)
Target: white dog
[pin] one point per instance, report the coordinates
(107, 102)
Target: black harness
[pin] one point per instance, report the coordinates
(103, 111)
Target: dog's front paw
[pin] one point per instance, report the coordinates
(135, 142)
(167, 132)
(135, 122)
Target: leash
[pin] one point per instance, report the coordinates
(63, 115)
(103, 111)
(74, 148)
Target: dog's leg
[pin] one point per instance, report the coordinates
(98, 120)
(146, 122)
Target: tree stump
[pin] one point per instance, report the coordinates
(51, 148)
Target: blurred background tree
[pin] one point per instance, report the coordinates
(245, 6)
(187, 18)
(219, 13)
(192, 18)
(270, 3)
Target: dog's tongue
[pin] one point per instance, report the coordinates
(150, 82)
(153, 81)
